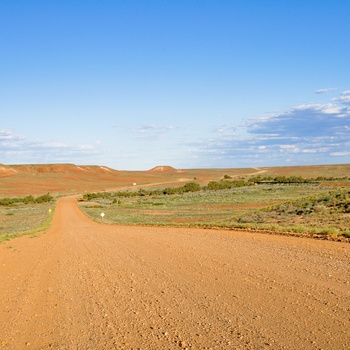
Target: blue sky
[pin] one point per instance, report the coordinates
(191, 84)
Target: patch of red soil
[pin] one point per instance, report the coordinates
(335, 184)
(241, 205)
(186, 220)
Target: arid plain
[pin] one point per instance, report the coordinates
(84, 285)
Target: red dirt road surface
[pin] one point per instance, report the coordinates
(82, 285)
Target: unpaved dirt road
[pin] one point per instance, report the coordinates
(82, 285)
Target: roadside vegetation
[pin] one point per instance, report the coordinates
(295, 205)
(326, 213)
(25, 215)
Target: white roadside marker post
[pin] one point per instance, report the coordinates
(102, 215)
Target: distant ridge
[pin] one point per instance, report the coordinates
(58, 179)
(163, 169)
(11, 170)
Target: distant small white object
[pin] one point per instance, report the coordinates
(102, 215)
(134, 184)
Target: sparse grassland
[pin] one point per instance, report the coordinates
(21, 219)
(250, 207)
(325, 213)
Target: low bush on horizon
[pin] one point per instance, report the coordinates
(295, 179)
(225, 183)
(25, 200)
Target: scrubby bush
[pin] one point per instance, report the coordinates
(6, 201)
(44, 199)
(191, 187)
(26, 200)
(225, 184)
(291, 179)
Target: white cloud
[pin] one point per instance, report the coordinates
(287, 146)
(340, 154)
(18, 148)
(310, 133)
(344, 98)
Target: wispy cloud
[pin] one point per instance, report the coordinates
(322, 91)
(8, 138)
(151, 131)
(18, 148)
(310, 133)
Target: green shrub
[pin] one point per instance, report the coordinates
(26, 200)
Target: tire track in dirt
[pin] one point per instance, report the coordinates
(82, 285)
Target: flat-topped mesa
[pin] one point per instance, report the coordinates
(10, 170)
(163, 169)
(6, 171)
